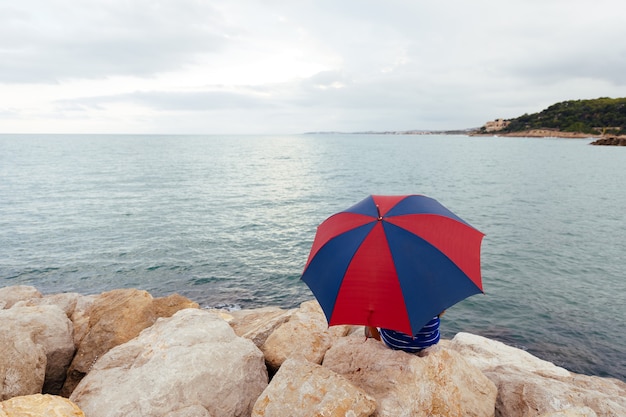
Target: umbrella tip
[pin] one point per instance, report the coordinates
(378, 210)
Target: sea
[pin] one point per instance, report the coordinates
(228, 221)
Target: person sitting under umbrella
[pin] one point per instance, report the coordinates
(427, 336)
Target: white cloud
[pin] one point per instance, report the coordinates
(240, 66)
(52, 41)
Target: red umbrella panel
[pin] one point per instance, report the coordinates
(393, 262)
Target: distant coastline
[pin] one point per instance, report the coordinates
(539, 133)
(532, 133)
(606, 140)
(602, 119)
(466, 132)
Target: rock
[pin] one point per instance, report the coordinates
(48, 327)
(529, 386)
(74, 305)
(258, 324)
(301, 388)
(39, 405)
(572, 412)
(610, 141)
(65, 301)
(113, 318)
(16, 293)
(306, 333)
(191, 364)
(80, 317)
(167, 306)
(528, 394)
(439, 384)
(191, 411)
(195, 364)
(486, 354)
(22, 363)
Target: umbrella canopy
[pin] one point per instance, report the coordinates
(393, 262)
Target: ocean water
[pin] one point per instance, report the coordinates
(229, 220)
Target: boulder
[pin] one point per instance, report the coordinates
(191, 364)
(441, 383)
(301, 388)
(530, 387)
(22, 363)
(258, 324)
(572, 412)
(80, 317)
(65, 301)
(610, 141)
(43, 328)
(168, 306)
(113, 318)
(529, 394)
(487, 354)
(38, 405)
(16, 293)
(306, 333)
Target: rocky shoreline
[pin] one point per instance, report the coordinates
(125, 353)
(610, 141)
(539, 133)
(604, 140)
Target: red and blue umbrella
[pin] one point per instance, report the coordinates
(393, 262)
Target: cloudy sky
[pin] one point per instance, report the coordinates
(292, 66)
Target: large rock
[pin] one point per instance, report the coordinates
(191, 364)
(65, 301)
(611, 141)
(39, 405)
(74, 305)
(301, 388)
(306, 333)
(80, 317)
(167, 306)
(572, 412)
(258, 324)
(16, 293)
(439, 384)
(528, 394)
(113, 318)
(530, 387)
(487, 354)
(27, 332)
(22, 363)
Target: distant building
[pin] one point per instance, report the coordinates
(496, 125)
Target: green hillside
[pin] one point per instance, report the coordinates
(597, 116)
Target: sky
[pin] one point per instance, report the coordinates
(294, 66)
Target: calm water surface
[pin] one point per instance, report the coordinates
(229, 220)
